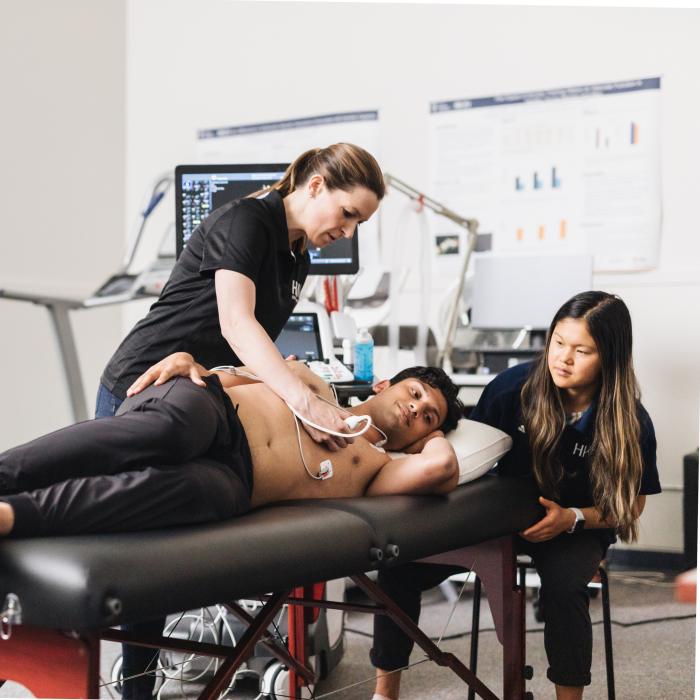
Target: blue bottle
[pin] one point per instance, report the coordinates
(364, 356)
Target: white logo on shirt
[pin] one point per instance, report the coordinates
(521, 428)
(296, 290)
(580, 450)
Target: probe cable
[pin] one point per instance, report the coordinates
(405, 668)
(352, 420)
(355, 419)
(297, 417)
(148, 671)
(454, 607)
(354, 685)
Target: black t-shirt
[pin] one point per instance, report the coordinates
(499, 406)
(248, 236)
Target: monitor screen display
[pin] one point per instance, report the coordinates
(301, 337)
(199, 189)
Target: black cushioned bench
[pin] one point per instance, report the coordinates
(72, 590)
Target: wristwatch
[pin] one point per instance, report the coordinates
(579, 523)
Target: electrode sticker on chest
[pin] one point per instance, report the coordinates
(325, 470)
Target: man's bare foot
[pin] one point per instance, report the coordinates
(7, 519)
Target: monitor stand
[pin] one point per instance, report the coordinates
(59, 308)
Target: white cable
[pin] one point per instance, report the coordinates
(351, 424)
(454, 606)
(236, 372)
(316, 477)
(356, 419)
(351, 421)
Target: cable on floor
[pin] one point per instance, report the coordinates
(461, 635)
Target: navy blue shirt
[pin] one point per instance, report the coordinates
(499, 406)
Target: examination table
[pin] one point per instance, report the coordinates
(68, 592)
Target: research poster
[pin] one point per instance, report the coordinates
(283, 140)
(575, 169)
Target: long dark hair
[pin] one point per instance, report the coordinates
(616, 458)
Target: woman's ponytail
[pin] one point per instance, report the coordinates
(342, 166)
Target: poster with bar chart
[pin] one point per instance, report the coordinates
(573, 169)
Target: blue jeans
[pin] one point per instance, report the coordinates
(107, 403)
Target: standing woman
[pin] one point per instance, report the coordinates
(233, 289)
(579, 429)
(240, 276)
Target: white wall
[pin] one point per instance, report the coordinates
(62, 139)
(232, 63)
(266, 61)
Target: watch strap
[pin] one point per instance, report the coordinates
(578, 523)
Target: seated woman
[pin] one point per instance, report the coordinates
(579, 428)
(179, 453)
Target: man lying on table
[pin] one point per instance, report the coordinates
(180, 453)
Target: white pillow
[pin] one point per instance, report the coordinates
(478, 447)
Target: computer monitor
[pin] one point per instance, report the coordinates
(517, 290)
(301, 337)
(199, 189)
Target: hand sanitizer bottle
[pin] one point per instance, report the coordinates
(364, 356)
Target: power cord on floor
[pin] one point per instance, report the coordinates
(462, 635)
(656, 579)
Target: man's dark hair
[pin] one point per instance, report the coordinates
(438, 379)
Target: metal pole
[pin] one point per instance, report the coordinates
(445, 358)
(471, 226)
(69, 357)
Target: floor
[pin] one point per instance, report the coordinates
(653, 644)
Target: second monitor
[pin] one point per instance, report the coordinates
(199, 189)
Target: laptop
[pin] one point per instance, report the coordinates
(301, 337)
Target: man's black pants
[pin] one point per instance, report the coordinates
(173, 455)
(566, 564)
(165, 460)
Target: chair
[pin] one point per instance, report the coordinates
(524, 562)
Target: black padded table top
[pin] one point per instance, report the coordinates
(72, 582)
(91, 581)
(421, 526)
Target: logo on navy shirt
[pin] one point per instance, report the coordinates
(296, 290)
(580, 450)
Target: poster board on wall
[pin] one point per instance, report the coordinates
(575, 169)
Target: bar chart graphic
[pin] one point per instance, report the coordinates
(541, 232)
(563, 169)
(620, 135)
(537, 180)
(634, 133)
(556, 180)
